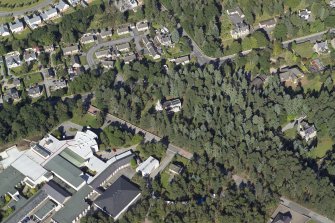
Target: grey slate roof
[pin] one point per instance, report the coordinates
(65, 170)
(43, 211)
(109, 171)
(117, 196)
(9, 178)
(56, 192)
(32, 203)
(282, 218)
(75, 206)
(34, 90)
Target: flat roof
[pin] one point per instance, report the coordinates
(9, 156)
(75, 206)
(10, 177)
(29, 168)
(65, 170)
(46, 208)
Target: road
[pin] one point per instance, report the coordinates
(37, 7)
(312, 37)
(304, 211)
(135, 36)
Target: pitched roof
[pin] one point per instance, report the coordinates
(10, 177)
(118, 196)
(65, 170)
(56, 192)
(282, 218)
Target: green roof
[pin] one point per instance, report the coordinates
(72, 157)
(65, 170)
(9, 178)
(45, 209)
(74, 207)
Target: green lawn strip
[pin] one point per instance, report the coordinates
(165, 180)
(324, 144)
(291, 133)
(32, 78)
(86, 120)
(304, 49)
(16, 5)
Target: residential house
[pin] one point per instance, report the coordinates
(49, 14)
(123, 47)
(16, 82)
(123, 30)
(163, 39)
(58, 84)
(236, 15)
(142, 26)
(13, 59)
(29, 55)
(49, 49)
(290, 74)
(108, 64)
(33, 22)
(71, 50)
(305, 14)
(267, 24)
(259, 81)
(35, 91)
(129, 58)
(4, 30)
(106, 33)
(151, 48)
(182, 60)
(332, 3)
(87, 38)
(62, 6)
(148, 166)
(282, 218)
(307, 131)
(16, 26)
(172, 106)
(321, 47)
(240, 30)
(11, 95)
(125, 5)
(175, 169)
(75, 61)
(74, 2)
(103, 54)
(117, 198)
(316, 65)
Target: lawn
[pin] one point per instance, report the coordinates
(291, 133)
(14, 5)
(324, 144)
(32, 78)
(304, 49)
(86, 120)
(165, 180)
